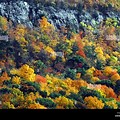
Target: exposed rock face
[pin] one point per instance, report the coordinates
(18, 12)
(62, 18)
(28, 13)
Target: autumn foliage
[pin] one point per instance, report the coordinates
(47, 68)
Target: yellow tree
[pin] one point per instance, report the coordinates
(19, 34)
(45, 26)
(3, 23)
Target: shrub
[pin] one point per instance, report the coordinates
(45, 39)
(75, 48)
(46, 102)
(111, 104)
(117, 87)
(62, 47)
(14, 86)
(84, 92)
(80, 105)
(43, 93)
(27, 86)
(54, 95)
(40, 65)
(35, 85)
(111, 22)
(7, 82)
(89, 51)
(7, 105)
(62, 92)
(118, 103)
(4, 90)
(108, 83)
(118, 69)
(99, 65)
(76, 97)
(77, 61)
(81, 70)
(70, 73)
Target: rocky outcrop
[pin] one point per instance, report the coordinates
(29, 13)
(18, 12)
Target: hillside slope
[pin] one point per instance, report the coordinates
(57, 57)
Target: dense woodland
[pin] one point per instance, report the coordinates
(50, 68)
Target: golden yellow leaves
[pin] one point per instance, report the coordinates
(4, 77)
(115, 77)
(16, 80)
(93, 103)
(45, 25)
(14, 71)
(36, 106)
(19, 34)
(63, 102)
(112, 104)
(100, 54)
(108, 70)
(7, 105)
(3, 23)
(112, 73)
(25, 72)
(51, 52)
